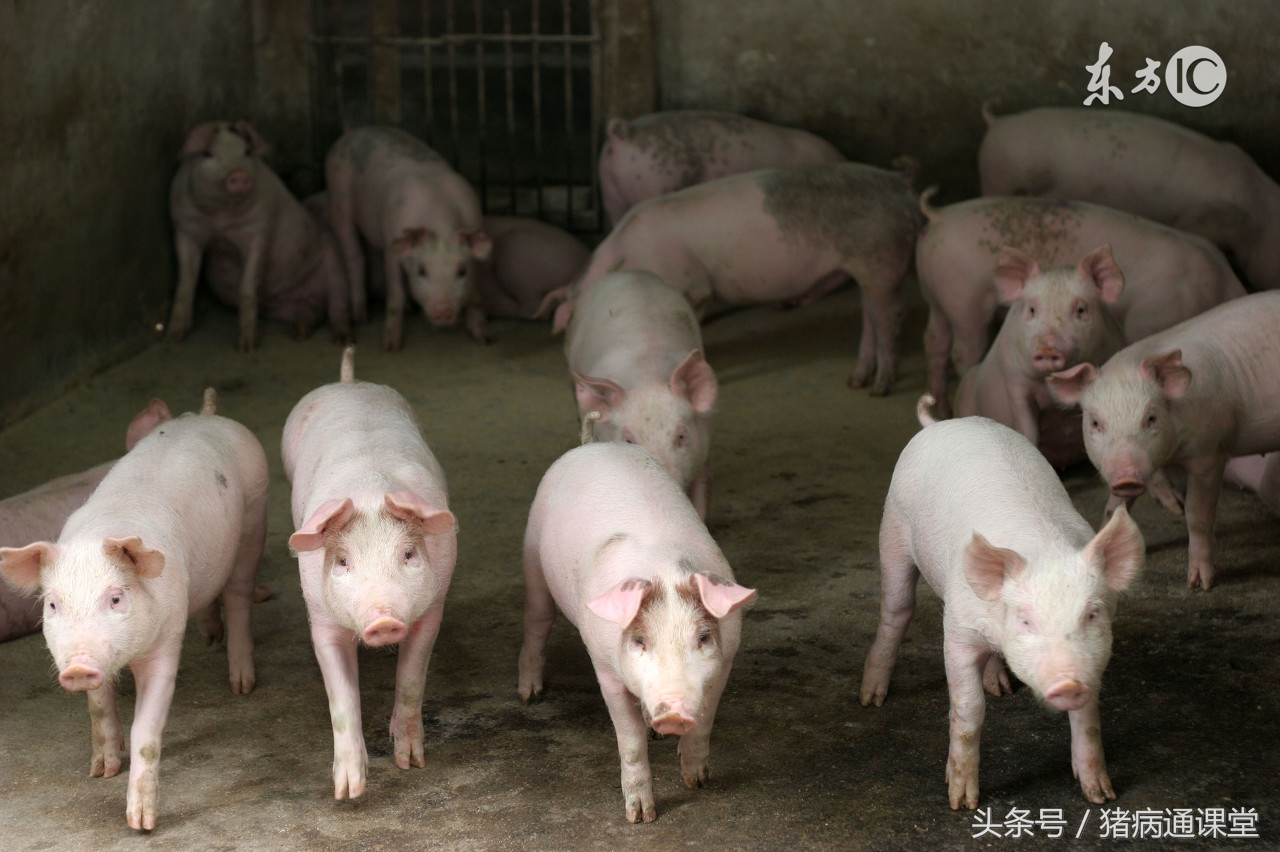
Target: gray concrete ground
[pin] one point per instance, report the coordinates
(801, 465)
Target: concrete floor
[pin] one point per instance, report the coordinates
(1191, 706)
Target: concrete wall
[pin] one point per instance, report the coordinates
(97, 98)
(884, 77)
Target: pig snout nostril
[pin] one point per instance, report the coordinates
(1048, 359)
(385, 630)
(79, 677)
(677, 724)
(443, 317)
(1128, 487)
(1067, 695)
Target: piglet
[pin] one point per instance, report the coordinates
(615, 544)
(177, 523)
(376, 545)
(1259, 474)
(529, 259)
(665, 151)
(635, 351)
(979, 512)
(400, 195)
(1058, 317)
(261, 249)
(40, 513)
(1191, 397)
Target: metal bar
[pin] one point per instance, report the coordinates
(596, 96)
(335, 25)
(568, 119)
(452, 38)
(427, 92)
(482, 118)
(453, 87)
(386, 61)
(537, 107)
(511, 116)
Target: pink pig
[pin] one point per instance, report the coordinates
(260, 248)
(1125, 160)
(177, 524)
(41, 512)
(615, 544)
(1057, 317)
(1259, 474)
(1169, 275)
(529, 259)
(389, 187)
(376, 546)
(665, 151)
(979, 512)
(777, 235)
(635, 352)
(1191, 397)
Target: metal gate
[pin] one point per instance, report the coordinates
(507, 90)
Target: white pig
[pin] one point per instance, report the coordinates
(618, 548)
(635, 351)
(1259, 474)
(178, 522)
(376, 546)
(980, 513)
(1057, 317)
(1192, 397)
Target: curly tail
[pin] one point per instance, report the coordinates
(931, 213)
(987, 115)
(210, 402)
(588, 434)
(923, 414)
(347, 372)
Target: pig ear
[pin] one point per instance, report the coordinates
(1168, 372)
(695, 380)
(1101, 268)
(1118, 550)
(621, 603)
(21, 565)
(721, 596)
(257, 145)
(597, 395)
(142, 559)
(986, 567)
(477, 242)
(410, 239)
(200, 139)
(1068, 386)
(408, 506)
(149, 418)
(331, 516)
(1013, 271)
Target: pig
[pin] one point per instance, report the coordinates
(1124, 160)
(376, 547)
(1259, 474)
(665, 151)
(635, 352)
(40, 513)
(775, 236)
(389, 187)
(1192, 396)
(260, 248)
(1057, 317)
(529, 259)
(176, 524)
(1169, 276)
(615, 544)
(977, 510)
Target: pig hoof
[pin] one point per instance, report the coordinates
(261, 593)
(855, 383)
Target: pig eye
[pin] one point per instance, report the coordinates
(1031, 311)
(422, 270)
(115, 600)
(682, 437)
(638, 641)
(704, 637)
(341, 561)
(462, 271)
(1094, 425)
(408, 554)
(1081, 312)
(53, 607)
(1151, 420)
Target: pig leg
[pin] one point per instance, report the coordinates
(1162, 489)
(475, 322)
(633, 747)
(189, 251)
(938, 339)
(698, 492)
(250, 283)
(393, 333)
(539, 615)
(1087, 761)
(897, 604)
(411, 679)
(209, 620)
(106, 731)
(1204, 484)
(335, 648)
(335, 285)
(1026, 419)
(995, 680)
(866, 352)
(965, 663)
(342, 220)
(881, 297)
(695, 746)
(154, 675)
(238, 595)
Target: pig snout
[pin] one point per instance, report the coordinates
(1128, 487)
(442, 316)
(1048, 359)
(80, 675)
(1067, 694)
(672, 718)
(238, 182)
(383, 628)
